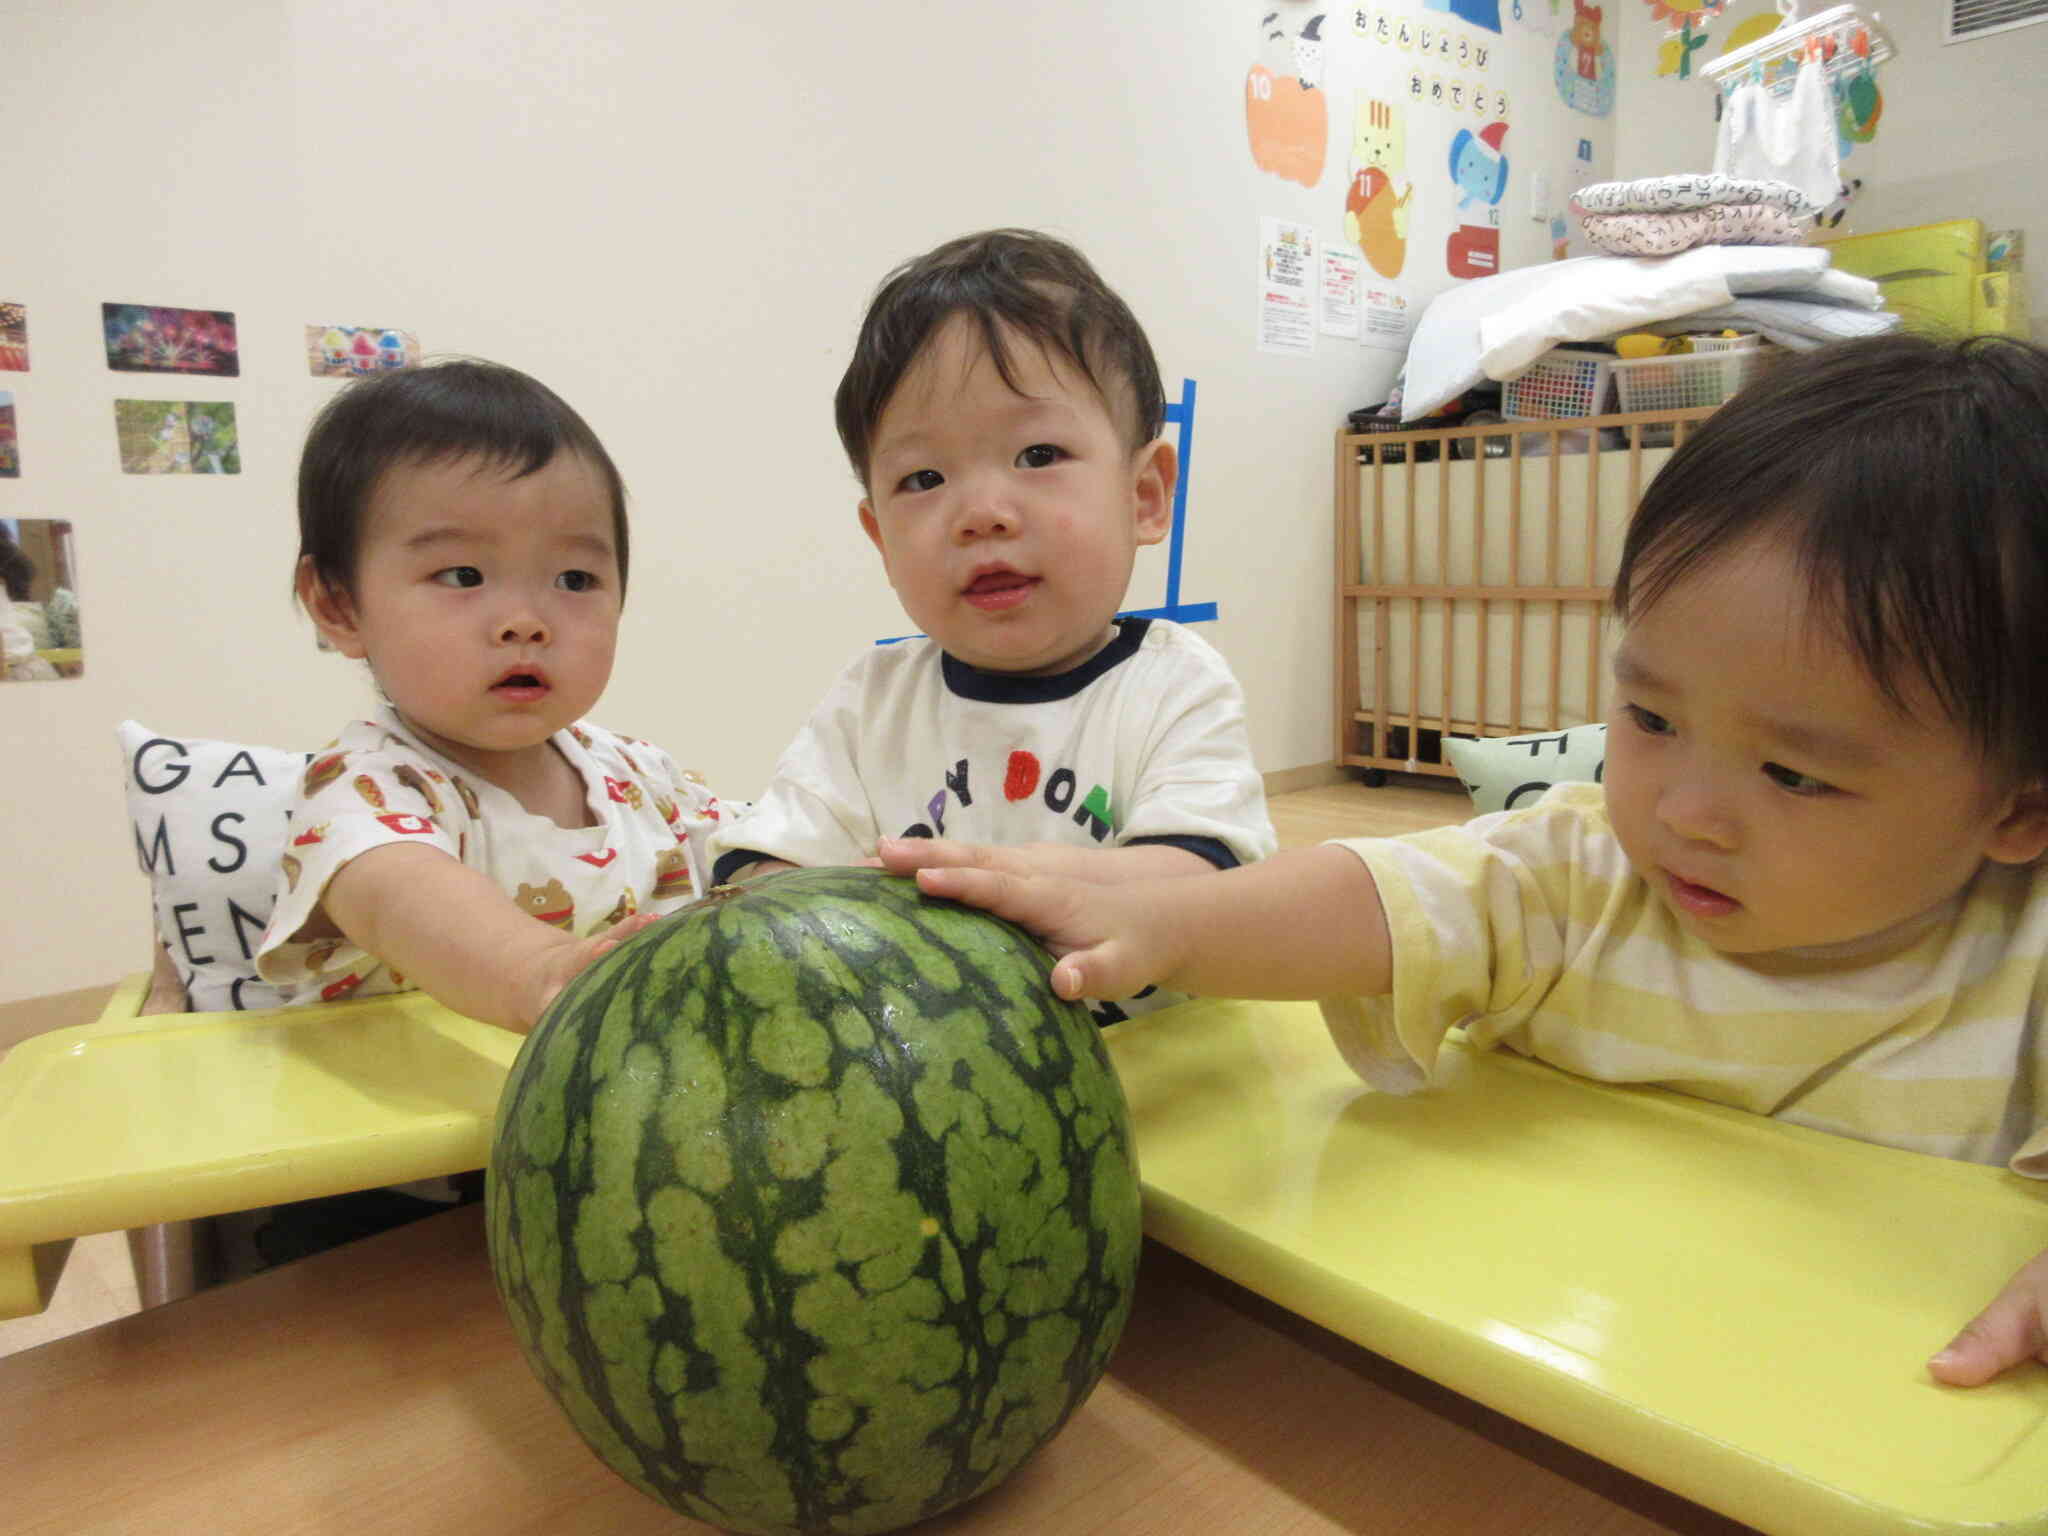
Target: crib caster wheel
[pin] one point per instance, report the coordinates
(1375, 778)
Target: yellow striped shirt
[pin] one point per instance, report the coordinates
(1530, 929)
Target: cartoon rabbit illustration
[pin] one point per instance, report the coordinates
(1375, 205)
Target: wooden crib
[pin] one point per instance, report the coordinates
(1471, 578)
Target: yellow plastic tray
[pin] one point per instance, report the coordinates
(1731, 1307)
(134, 1120)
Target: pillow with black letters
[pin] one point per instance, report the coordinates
(1504, 773)
(209, 820)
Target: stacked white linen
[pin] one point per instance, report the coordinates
(1492, 327)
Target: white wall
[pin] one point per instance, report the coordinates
(673, 214)
(1957, 138)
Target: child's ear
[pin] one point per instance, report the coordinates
(2021, 835)
(1155, 471)
(332, 610)
(873, 530)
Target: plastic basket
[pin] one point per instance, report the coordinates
(1741, 343)
(1691, 379)
(1562, 382)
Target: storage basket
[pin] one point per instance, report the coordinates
(1740, 343)
(1562, 382)
(1687, 379)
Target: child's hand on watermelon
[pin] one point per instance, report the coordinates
(1097, 866)
(1306, 923)
(1102, 933)
(558, 965)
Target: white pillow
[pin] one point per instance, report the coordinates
(209, 820)
(1504, 773)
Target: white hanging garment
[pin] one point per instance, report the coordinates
(1788, 137)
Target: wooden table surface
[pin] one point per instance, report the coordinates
(377, 1388)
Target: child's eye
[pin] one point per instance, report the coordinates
(1792, 781)
(576, 581)
(1646, 722)
(459, 576)
(1040, 456)
(921, 480)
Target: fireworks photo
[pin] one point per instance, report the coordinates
(146, 338)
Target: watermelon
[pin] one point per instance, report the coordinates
(813, 1206)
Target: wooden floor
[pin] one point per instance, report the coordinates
(99, 1282)
(1406, 803)
(98, 1286)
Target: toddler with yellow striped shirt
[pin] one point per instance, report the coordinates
(1810, 883)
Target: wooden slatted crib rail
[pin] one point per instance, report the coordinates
(1472, 575)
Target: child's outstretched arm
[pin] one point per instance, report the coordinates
(1303, 924)
(1097, 866)
(2013, 1329)
(452, 932)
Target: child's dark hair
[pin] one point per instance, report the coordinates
(1013, 280)
(1910, 475)
(456, 409)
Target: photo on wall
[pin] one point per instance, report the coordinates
(349, 351)
(149, 338)
(39, 628)
(10, 439)
(177, 437)
(13, 337)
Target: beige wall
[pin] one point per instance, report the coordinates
(673, 214)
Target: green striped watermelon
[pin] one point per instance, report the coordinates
(814, 1207)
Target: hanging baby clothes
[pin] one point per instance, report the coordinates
(1783, 136)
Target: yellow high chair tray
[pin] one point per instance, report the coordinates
(1731, 1307)
(133, 1120)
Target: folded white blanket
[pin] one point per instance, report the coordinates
(1492, 327)
(1800, 322)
